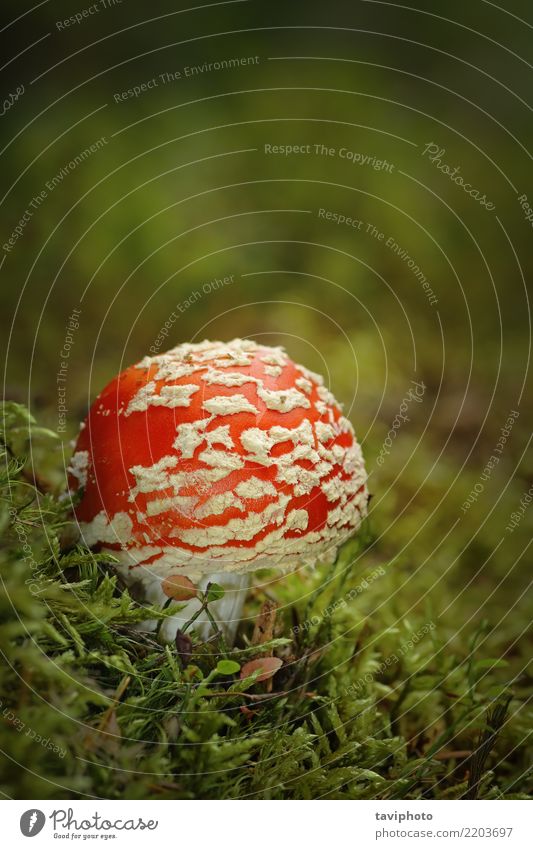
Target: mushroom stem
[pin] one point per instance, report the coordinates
(226, 611)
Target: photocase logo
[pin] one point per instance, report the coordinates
(32, 822)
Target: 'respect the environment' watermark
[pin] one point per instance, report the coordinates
(402, 254)
(196, 295)
(368, 228)
(184, 73)
(73, 323)
(40, 197)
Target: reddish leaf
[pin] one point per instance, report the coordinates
(179, 588)
(268, 666)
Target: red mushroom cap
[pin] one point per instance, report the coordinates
(218, 456)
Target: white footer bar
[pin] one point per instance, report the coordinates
(264, 825)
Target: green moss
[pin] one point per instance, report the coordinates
(379, 695)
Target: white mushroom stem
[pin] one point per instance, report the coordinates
(226, 611)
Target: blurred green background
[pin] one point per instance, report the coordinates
(181, 192)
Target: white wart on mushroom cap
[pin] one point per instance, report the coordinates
(218, 457)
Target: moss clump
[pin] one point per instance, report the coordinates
(367, 703)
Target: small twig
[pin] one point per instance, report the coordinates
(220, 635)
(191, 621)
(256, 697)
(92, 736)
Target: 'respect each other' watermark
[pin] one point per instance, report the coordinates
(196, 295)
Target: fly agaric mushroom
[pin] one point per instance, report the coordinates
(213, 460)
